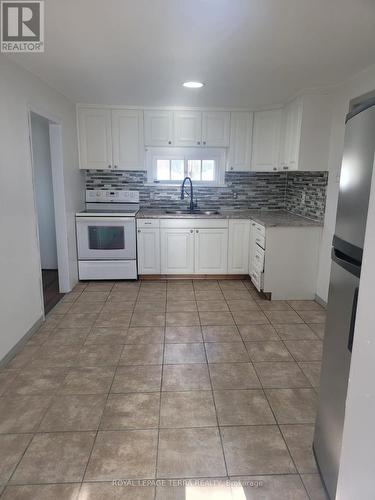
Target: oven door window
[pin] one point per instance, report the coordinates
(106, 237)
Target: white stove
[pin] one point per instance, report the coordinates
(106, 238)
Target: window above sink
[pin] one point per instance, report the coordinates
(169, 166)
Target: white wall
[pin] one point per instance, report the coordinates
(42, 170)
(360, 84)
(20, 298)
(357, 464)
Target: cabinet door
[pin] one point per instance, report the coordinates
(158, 128)
(187, 128)
(177, 251)
(266, 140)
(211, 251)
(148, 242)
(241, 132)
(215, 128)
(238, 247)
(95, 140)
(292, 122)
(127, 139)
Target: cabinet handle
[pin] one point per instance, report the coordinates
(139, 230)
(274, 168)
(109, 166)
(169, 142)
(197, 231)
(198, 142)
(285, 168)
(191, 230)
(204, 142)
(114, 166)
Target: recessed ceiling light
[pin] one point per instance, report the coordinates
(193, 85)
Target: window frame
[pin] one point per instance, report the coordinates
(185, 154)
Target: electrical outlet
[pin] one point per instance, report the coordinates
(303, 197)
(235, 196)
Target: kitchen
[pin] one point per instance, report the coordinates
(194, 198)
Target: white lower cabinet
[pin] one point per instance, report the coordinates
(238, 246)
(211, 251)
(177, 251)
(148, 246)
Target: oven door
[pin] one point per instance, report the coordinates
(106, 238)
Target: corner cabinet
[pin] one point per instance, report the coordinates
(148, 246)
(266, 140)
(110, 139)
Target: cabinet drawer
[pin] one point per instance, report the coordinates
(147, 222)
(257, 279)
(194, 223)
(258, 261)
(259, 229)
(259, 240)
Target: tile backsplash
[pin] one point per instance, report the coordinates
(242, 190)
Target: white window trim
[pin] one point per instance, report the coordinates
(217, 154)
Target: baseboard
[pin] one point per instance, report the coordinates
(17, 348)
(320, 301)
(164, 277)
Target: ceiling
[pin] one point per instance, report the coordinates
(249, 53)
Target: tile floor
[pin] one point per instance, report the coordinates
(164, 380)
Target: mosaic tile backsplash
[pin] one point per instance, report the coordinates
(242, 190)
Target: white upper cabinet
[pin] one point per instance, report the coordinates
(215, 128)
(266, 140)
(95, 138)
(127, 139)
(187, 128)
(241, 133)
(158, 128)
(292, 121)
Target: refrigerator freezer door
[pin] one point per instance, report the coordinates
(355, 178)
(335, 373)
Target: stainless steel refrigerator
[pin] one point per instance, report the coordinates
(347, 247)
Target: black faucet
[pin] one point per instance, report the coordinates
(191, 194)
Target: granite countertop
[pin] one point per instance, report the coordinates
(268, 218)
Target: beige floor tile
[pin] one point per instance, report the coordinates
(305, 305)
(226, 352)
(24, 357)
(198, 489)
(181, 306)
(186, 377)
(267, 351)
(280, 317)
(98, 296)
(56, 356)
(305, 350)
(190, 453)
(40, 337)
(314, 486)
(131, 411)
(86, 307)
(281, 375)
(296, 331)
(212, 305)
(7, 377)
(184, 353)
(200, 285)
(275, 305)
(120, 297)
(299, 439)
(145, 335)
(231, 294)
(187, 409)
(74, 413)
(12, 447)
(313, 316)
(232, 284)
(277, 487)
(243, 305)
(251, 408)
(249, 318)
(142, 354)
(318, 328)
(42, 492)
(311, 369)
(221, 334)
(71, 297)
(201, 295)
(183, 334)
(255, 333)
(180, 295)
(61, 308)
(148, 319)
(233, 376)
(68, 336)
(99, 286)
(55, 458)
(122, 286)
(22, 413)
(256, 450)
(112, 320)
(107, 336)
(293, 406)
(78, 320)
(150, 307)
(118, 307)
(98, 491)
(37, 381)
(98, 355)
(123, 454)
(152, 295)
(137, 379)
(217, 318)
(95, 380)
(182, 319)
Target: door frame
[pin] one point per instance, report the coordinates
(57, 167)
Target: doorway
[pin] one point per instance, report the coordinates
(44, 183)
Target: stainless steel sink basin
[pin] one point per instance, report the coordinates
(196, 212)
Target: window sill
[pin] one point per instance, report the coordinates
(195, 185)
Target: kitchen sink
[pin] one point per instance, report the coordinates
(195, 212)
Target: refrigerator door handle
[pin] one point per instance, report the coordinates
(346, 262)
(352, 320)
